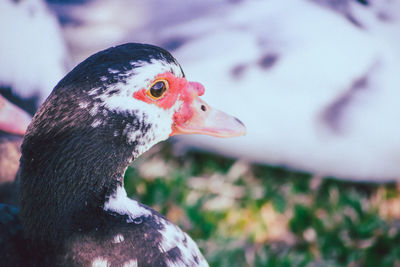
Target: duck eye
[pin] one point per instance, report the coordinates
(158, 89)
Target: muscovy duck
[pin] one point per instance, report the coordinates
(101, 116)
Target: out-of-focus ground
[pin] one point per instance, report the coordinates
(243, 214)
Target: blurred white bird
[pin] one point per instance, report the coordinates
(316, 85)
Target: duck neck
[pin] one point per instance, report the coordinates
(66, 180)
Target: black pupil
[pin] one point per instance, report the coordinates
(158, 89)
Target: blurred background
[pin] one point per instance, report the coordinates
(317, 83)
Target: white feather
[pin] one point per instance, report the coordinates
(120, 203)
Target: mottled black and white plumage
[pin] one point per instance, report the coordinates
(73, 206)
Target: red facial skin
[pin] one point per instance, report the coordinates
(178, 87)
(194, 115)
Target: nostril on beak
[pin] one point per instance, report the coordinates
(203, 108)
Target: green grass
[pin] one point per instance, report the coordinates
(250, 215)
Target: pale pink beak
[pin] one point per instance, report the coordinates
(204, 119)
(13, 119)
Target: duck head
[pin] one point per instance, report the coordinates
(107, 111)
(140, 93)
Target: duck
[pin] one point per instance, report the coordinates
(105, 113)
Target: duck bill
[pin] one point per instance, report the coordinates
(13, 119)
(206, 120)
